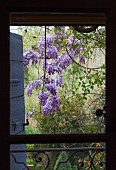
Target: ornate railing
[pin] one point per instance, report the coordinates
(81, 158)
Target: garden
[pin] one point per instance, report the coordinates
(64, 87)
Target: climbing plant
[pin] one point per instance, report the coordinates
(64, 77)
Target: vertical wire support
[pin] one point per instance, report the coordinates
(45, 56)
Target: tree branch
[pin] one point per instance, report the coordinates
(80, 64)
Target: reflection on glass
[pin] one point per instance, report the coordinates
(64, 79)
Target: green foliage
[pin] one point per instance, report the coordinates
(82, 93)
(32, 164)
(74, 167)
(62, 158)
(30, 130)
(83, 90)
(65, 121)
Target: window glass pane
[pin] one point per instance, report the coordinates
(60, 70)
(59, 156)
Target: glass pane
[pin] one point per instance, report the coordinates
(60, 156)
(64, 79)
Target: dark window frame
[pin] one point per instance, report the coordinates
(105, 6)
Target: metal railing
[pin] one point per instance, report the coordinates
(86, 158)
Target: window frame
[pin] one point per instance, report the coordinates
(98, 6)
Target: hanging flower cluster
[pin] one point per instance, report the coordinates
(30, 56)
(53, 66)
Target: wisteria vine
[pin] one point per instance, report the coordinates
(53, 63)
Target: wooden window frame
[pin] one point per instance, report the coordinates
(87, 6)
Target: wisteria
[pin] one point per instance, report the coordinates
(51, 106)
(59, 81)
(49, 40)
(51, 50)
(82, 60)
(56, 62)
(29, 88)
(43, 96)
(33, 84)
(38, 84)
(30, 56)
(51, 88)
(64, 61)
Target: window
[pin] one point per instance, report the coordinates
(59, 138)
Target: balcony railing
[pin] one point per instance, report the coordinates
(86, 158)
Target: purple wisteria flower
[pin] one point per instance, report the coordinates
(82, 60)
(55, 103)
(47, 109)
(26, 59)
(47, 79)
(51, 88)
(51, 69)
(55, 64)
(73, 52)
(73, 41)
(26, 62)
(29, 88)
(43, 64)
(38, 84)
(35, 56)
(75, 46)
(51, 106)
(64, 62)
(58, 34)
(33, 84)
(52, 52)
(42, 41)
(52, 81)
(30, 55)
(43, 96)
(59, 81)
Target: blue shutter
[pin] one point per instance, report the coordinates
(17, 107)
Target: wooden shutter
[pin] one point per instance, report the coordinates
(17, 108)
